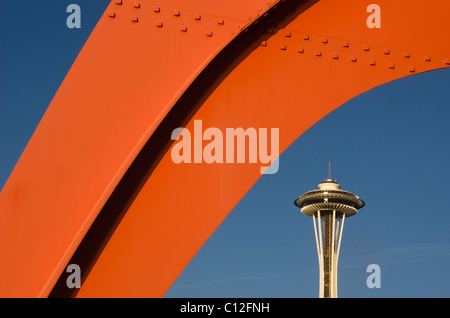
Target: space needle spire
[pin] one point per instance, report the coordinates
(328, 206)
(329, 169)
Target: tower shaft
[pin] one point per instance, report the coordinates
(327, 254)
(328, 229)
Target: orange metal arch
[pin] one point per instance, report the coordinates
(141, 63)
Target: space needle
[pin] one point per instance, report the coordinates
(329, 206)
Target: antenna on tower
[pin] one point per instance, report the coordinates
(329, 169)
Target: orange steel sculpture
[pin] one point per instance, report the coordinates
(96, 185)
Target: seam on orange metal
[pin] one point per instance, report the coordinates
(260, 23)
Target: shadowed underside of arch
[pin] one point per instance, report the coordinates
(96, 185)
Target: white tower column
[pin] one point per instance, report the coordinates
(328, 260)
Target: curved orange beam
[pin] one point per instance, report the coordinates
(283, 83)
(312, 62)
(129, 74)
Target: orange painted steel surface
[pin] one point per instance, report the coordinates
(122, 84)
(119, 90)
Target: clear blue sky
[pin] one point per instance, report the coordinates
(393, 152)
